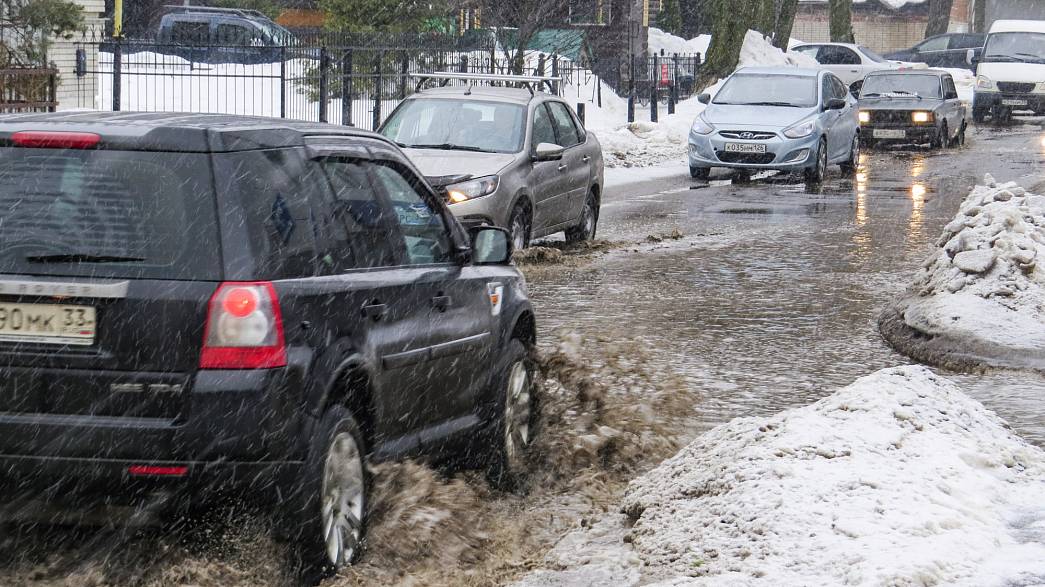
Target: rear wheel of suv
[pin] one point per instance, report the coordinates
(585, 231)
(332, 506)
(513, 427)
(816, 173)
(519, 226)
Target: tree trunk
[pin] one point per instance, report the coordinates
(979, 19)
(695, 19)
(939, 17)
(842, 21)
(764, 16)
(728, 29)
(784, 24)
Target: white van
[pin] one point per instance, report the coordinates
(1010, 74)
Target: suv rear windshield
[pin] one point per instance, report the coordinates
(115, 214)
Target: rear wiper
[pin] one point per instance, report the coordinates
(448, 147)
(82, 258)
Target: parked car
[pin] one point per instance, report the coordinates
(851, 63)
(947, 50)
(224, 35)
(776, 118)
(194, 302)
(1010, 72)
(918, 106)
(505, 157)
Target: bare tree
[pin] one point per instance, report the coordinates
(939, 17)
(730, 20)
(785, 22)
(841, 21)
(979, 23)
(527, 17)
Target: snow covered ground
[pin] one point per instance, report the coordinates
(982, 293)
(897, 479)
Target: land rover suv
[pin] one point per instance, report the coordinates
(193, 302)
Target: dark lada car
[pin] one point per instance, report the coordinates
(192, 302)
(914, 106)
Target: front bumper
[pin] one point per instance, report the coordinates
(782, 153)
(988, 100)
(923, 133)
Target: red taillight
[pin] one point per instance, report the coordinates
(244, 328)
(157, 471)
(55, 140)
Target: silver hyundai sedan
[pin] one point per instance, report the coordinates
(786, 119)
(505, 157)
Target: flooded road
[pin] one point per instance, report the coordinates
(775, 305)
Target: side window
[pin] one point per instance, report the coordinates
(234, 34)
(839, 86)
(354, 223)
(827, 91)
(934, 44)
(190, 33)
(543, 130)
(426, 237)
(565, 129)
(809, 50)
(835, 55)
(949, 91)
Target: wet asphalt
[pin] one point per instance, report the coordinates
(769, 300)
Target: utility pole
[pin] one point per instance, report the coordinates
(117, 19)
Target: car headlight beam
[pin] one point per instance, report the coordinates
(865, 117)
(472, 189)
(921, 117)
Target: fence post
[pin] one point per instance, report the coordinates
(654, 93)
(555, 74)
(324, 83)
(673, 94)
(376, 122)
(346, 88)
(598, 90)
(283, 81)
(404, 69)
(52, 91)
(117, 74)
(631, 92)
(462, 67)
(580, 111)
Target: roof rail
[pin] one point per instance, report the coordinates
(176, 9)
(445, 77)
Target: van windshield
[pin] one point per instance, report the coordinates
(107, 214)
(1015, 47)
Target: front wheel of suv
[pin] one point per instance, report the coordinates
(515, 420)
(332, 497)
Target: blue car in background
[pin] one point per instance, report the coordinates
(784, 119)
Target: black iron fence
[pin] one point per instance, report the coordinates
(29, 89)
(356, 85)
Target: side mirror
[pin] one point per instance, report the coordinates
(704, 98)
(548, 152)
(971, 57)
(491, 245)
(835, 104)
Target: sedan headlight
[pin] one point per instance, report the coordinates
(472, 189)
(865, 117)
(921, 117)
(701, 126)
(985, 83)
(801, 130)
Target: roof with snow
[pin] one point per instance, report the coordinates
(888, 4)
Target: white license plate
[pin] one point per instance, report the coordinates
(47, 323)
(745, 148)
(1011, 102)
(887, 133)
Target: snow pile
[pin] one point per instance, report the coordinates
(984, 289)
(669, 43)
(644, 143)
(897, 479)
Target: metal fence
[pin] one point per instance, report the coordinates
(358, 85)
(28, 89)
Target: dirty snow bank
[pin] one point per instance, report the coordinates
(981, 296)
(897, 479)
(643, 143)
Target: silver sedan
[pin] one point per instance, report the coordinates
(505, 157)
(785, 119)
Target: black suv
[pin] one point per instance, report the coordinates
(192, 302)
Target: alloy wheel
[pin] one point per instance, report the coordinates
(342, 494)
(518, 410)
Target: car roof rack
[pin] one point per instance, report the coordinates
(178, 9)
(445, 77)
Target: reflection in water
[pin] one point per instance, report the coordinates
(917, 165)
(917, 223)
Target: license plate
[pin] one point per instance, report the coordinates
(745, 148)
(47, 323)
(886, 133)
(1012, 102)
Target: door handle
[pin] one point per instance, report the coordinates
(586, 158)
(562, 167)
(441, 302)
(375, 310)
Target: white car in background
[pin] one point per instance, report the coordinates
(851, 63)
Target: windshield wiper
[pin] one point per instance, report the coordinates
(82, 258)
(1003, 58)
(906, 93)
(785, 104)
(871, 95)
(1029, 57)
(448, 147)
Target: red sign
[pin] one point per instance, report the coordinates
(665, 79)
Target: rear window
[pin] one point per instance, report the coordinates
(107, 214)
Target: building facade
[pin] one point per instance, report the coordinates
(72, 91)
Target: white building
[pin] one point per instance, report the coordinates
(73, 91)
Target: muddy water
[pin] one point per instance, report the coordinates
(777, 307)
